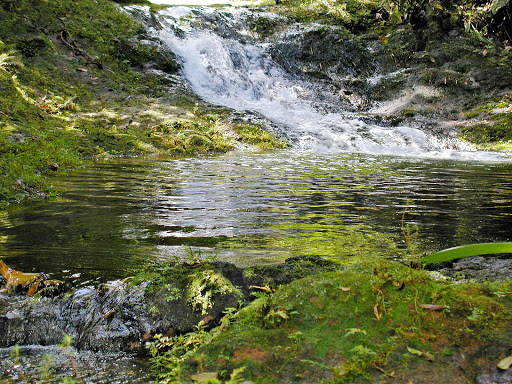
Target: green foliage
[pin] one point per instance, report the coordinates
(8, 58)
(68, 93)
(468, 251)
(496, 129)
(353, 14)
(204, 285)
(170, 353)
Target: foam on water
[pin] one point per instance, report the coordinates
(242, 76)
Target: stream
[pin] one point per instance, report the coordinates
(345, 188)
(121, 215)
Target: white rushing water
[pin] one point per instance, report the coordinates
(242, 76)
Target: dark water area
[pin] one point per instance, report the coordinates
(120, 216)
(36, 364)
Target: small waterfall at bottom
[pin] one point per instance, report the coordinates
(231, 68)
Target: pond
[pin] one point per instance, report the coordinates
(121, 215)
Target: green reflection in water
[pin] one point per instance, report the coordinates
(125, 214)
(334, 241)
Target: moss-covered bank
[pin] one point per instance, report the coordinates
(372, 321)
(77, 83)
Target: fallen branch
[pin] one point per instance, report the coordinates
(74, 47)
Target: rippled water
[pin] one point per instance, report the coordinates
(121, 215)
(36, 364)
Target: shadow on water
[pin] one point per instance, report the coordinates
(121, 215)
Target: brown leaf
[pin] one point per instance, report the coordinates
(14, 278)
(429, 356)
(33, 288)
(505, 363)
(204, 376)
(107, 314)
(265, 288)
(432, 307)
(376, 311)
(399, 284)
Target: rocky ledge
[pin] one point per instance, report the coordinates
(124, 315)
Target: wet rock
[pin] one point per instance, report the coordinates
(498, 267)
(292, 269)
(124, 315)
(329, 52)
(148, 54)
(17, 138)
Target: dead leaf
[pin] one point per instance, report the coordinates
(14, 278)
(107, 314)
(505, 363)
(33, 288)
(376, 311)
(429, 356)
(345, 289)
(204, 376)
(390, 374)
(265, 288)
(399, 284)
(432, 307)
(414, 351)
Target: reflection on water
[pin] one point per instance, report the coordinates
(123, 214)
(49, 364)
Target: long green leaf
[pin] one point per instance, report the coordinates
(467, 251)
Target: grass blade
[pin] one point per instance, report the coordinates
(467, 251)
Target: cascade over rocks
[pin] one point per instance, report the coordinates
(124, 315)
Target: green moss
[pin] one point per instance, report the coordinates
(256, 136)
(72, 89)
(495, 126)
(204, 285)
(338, 326)
(354, 14)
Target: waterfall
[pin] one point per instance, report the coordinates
(225, 65)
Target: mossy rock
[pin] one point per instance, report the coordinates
(373, 321)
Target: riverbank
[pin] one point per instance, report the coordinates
(79, 81)
(364, 320)
(84, 80)
(371, 321)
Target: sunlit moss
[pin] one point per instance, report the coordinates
(339, 326)
(60, 106)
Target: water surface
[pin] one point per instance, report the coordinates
(121, 215)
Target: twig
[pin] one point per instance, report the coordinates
(392, 374)
(74, 47)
